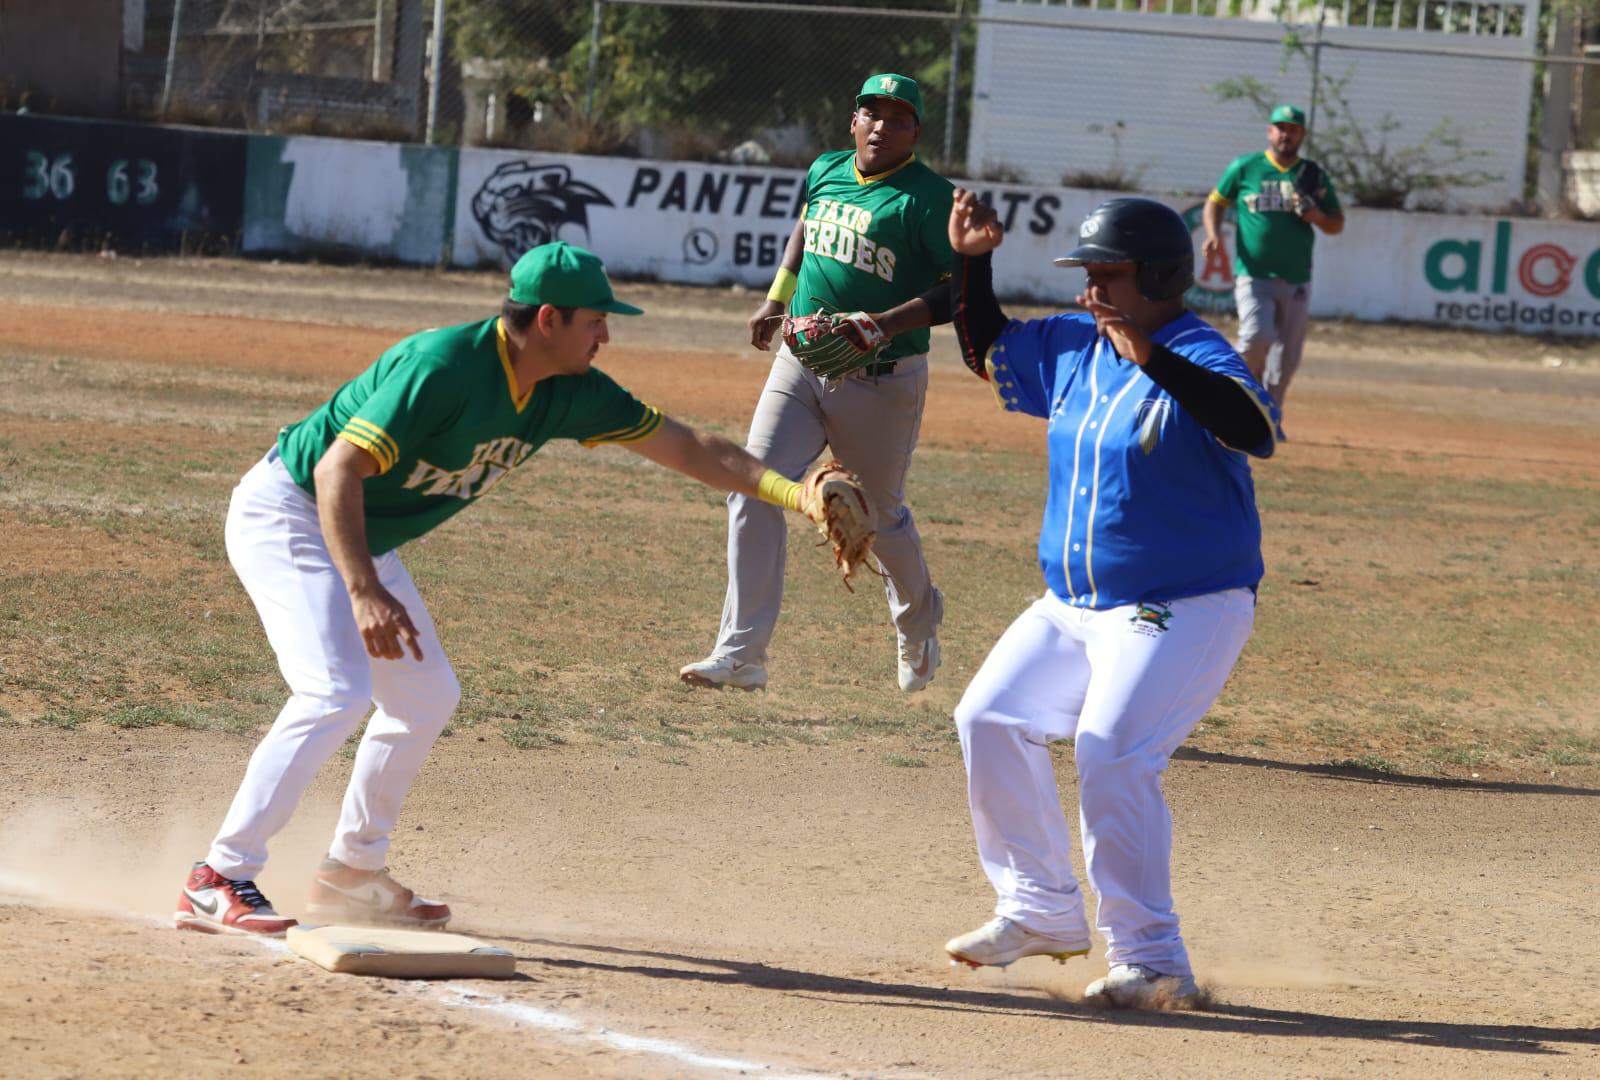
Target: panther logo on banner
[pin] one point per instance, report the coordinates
(522, 205)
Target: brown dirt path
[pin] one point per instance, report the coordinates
(787, 907)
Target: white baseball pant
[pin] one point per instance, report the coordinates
(1127, 694)
(871, 424)
(276, 547)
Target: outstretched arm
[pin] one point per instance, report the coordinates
(831, 498)
(710, 459)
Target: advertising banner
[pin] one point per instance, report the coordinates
(706, 223)
(715, 224)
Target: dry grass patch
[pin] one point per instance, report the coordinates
(1436, 618)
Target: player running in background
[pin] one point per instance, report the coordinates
(312, 530)
(1277, 197)
(872, 235)
(1151, 551)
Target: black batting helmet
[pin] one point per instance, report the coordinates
(1148, 234)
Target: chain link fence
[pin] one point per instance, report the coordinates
(751, 82)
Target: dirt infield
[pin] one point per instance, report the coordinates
(1387, 832)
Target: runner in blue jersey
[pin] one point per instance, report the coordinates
(1151, 551)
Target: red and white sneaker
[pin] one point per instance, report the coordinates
(341, 893)
(214, 904)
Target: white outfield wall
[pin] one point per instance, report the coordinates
(1090, 93)
(320, 196)
(715, 224)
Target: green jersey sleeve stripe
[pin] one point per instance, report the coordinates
(385, 463)
(646, 427)
(373, 431)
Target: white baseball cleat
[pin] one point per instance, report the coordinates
(918, 663)
(715, 672)
(1000, 942)
(1135, 986)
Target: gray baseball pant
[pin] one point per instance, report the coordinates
(871, 424)
(1273, 315)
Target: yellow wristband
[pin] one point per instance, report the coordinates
(783, 286)
(779, 490)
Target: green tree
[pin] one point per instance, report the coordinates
(715, 77)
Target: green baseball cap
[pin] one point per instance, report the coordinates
(566, 276)
(1289, 114)
(900, 87)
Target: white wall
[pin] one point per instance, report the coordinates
(1095, 96)
(714, 224)
(666, 220)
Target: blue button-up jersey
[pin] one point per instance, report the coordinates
(1145, 503)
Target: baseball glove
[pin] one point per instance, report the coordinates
(1308, 184)
(831, 345)
(833, 499)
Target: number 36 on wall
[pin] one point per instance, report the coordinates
(42, 177)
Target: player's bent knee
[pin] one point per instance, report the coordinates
(1102, 763)
(339, 704)
(892, 522)
(979, 722)
(449, 696)
(435, 707)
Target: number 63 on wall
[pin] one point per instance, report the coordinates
(43, 176)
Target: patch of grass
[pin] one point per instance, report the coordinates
(527, 735)
(673, 760)
(66, 718)
(663, 738)
(128, 717)
(748, 734)
(1369, 762)
(225, 716)
(610, 731)
(1465, 756)
(1448, 624)
(904, 761)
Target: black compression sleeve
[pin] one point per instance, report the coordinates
(1225, 408)
(941, 302)
(977, 315)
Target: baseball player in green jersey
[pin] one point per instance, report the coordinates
(872, 235)
(1278, 197)
(312, 532)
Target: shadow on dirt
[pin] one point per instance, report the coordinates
(1362, 775)
(1218, 1017)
